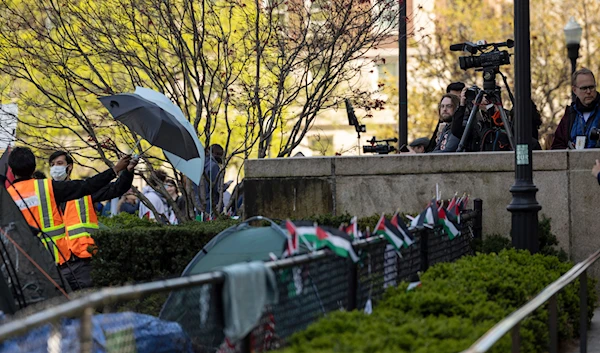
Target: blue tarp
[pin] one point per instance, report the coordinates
(129, 332)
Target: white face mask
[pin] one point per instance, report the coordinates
(58, 172)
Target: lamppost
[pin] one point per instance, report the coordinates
(573, 38)
(524, 206)
(402, 79)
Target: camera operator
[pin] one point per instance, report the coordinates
(455, 88)
(576, 127)
(442, 136)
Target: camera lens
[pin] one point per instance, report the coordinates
(369, 149)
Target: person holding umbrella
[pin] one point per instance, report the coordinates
(80, 218)
(39, 199)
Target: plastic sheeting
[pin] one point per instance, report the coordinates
(119, 332)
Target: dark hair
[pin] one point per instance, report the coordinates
(172, 182)
(38, 175)
(454, 99)
(22, 162)
(455, 86)
(57, 154)
(159, 175)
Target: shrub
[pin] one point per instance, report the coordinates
(455, 305)
(149, 251)
(548, 242)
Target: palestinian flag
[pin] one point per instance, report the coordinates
(390, 232)
(403, 229)
(429, 217)
(453, 210)
(292, 244)
(352, 229)
(447, 224)
(338, 245)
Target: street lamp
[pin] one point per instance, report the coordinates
(524, 206)
(573, 38)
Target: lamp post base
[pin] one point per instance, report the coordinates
(524, 208)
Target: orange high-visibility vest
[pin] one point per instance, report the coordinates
(35, 199)
(80, 221)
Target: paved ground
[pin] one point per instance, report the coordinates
(593, 337)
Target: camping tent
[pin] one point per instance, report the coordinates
(195, 308)
(29, 274)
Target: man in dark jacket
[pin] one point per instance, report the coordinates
(581, 116)
(77, 268)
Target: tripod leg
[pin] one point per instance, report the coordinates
(470, 122)
(507, 126)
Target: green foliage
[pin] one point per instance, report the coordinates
(455, 305)
(150, 251)
(548, 242)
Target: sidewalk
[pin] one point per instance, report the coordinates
(593, 345)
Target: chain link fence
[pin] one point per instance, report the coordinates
(310, 286)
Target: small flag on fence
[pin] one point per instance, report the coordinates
(447, 224)
(352, 229)
(403, 229)
(338, 245)
(391, 233)
(292, 245)
(427, 218)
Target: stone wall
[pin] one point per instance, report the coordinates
(365, 185)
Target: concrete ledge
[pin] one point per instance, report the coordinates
(288, 167)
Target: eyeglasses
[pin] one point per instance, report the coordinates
(169, 185)
(587, 88)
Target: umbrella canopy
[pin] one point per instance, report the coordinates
(153, 123)
(194, 167)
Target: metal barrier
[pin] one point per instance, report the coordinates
(310, 286)
(512, 322)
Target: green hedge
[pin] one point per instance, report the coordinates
(137, 250)
(456, 304)
(134, 250)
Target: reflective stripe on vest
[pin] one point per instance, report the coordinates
(81, 221)
(35, 199)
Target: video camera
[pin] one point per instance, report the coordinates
(379, 148)
(488, 58)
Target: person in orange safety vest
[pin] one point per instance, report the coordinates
(80, 219)
(38, 199)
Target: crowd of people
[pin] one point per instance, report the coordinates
(576, 130)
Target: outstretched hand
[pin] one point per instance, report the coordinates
(132, 163)
(122, 164)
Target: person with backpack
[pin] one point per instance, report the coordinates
(581, 116)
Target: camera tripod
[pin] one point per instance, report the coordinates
(493, 95)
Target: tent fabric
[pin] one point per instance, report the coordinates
(193, 307)
(26, 282)
(119, 332)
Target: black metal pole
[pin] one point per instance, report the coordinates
(478, 221)
(424, 248)
(573, 54)
(524, 206)
(402, 79)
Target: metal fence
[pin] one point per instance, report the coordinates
(310, 286)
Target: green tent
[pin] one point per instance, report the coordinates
(240, 243)
(195, 309)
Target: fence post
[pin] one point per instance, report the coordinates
(553, 324)
(85, 331)
(583, 319)
(424, 249)
(352, 285)
(478, 221)
(516, 338)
